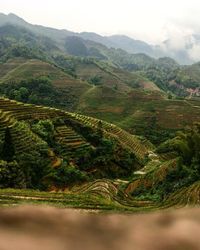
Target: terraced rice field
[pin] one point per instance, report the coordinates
(139, 147)
(12, 112)
(99, 196)
(70, 140)
(110, 191)
(154, 176)
(187, 196)
(102, 194)
(20, 132)
(23, 138)
(85, 199)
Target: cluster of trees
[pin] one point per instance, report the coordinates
(95, 80)
(67, 175)
(45, 129)
(33, 169)
(150, 129)
(25, 52)
(186, 81)
(108, 159)
(22, 170)
(37, 91)
(19, 42)
(187, 146)
(167, 81)
(171, 79)
(11, 175)
(67, 64)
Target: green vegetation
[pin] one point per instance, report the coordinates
(8, 150)
(96, 80)
(98, 89)
(173, 175)
(99, 149)
(11, 175)
(75, 46)
(53, 148)
(36, 91)
(88, 200)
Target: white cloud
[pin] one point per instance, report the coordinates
(194, 52)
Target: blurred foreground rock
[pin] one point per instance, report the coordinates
(44, 228)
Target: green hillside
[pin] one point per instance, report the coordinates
(97, 89)
(175, 181)
(52, 149)
(144, 113)
(26, 40)
(82, 71)
(63, 90)
(54, 142)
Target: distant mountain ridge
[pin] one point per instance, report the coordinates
(185, 55)
(116, 41)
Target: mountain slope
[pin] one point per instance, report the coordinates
(37, 29)
(116, 89)
(77, 147)
(122, 42)
(185, 54)
(131, 45)
(125, 99)
(62, 89)
(62, 145)
(147, 114)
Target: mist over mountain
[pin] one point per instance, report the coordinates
(185, 50)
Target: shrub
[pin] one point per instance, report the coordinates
(68, 175)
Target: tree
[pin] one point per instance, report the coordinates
(8, 150)
(11, 175)
(67, 175)
(36, 166)
(45, 129)
(24, 93)
(100, 129)
(95, 80)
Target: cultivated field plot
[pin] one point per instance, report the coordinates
(99, 196)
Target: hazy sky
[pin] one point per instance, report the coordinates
(149, 20)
